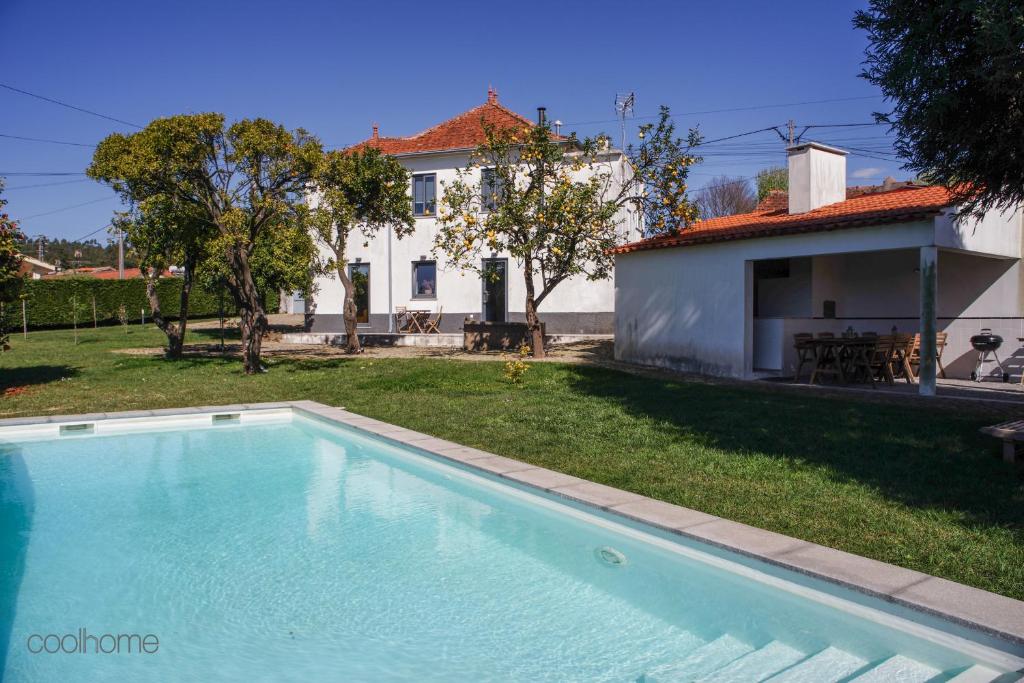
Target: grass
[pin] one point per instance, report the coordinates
(917, 487)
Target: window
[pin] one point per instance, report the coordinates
(490, 189)
(359, 273)
(424, 280)
(423, 194)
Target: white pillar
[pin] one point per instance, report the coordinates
(748, 319)
(929, 303)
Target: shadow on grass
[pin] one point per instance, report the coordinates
(919, 457)
(33, 375)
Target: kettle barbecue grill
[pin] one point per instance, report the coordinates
(986, 343)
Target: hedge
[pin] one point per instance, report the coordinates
(52, 303)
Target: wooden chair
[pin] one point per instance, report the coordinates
(903, 347)
(401, 314)
(881, 358)
(803, 342)
(915, 353)
(432, 325)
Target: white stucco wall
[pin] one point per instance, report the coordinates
(459, 292)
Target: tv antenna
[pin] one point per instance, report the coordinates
(624, 103)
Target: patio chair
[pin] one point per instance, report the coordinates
(431, 326)
(899, 365)
(401, 315)
(803, 342)
(881, 358)
(915, 353)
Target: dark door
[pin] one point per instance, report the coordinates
(495, 288)
(360, 276)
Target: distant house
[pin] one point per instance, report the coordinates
(34, 268)
(391, 273)
(726, 297)
(103, 273)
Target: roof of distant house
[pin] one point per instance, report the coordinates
(25, 258)
(771, 218)
(102, 273)
(465, 131)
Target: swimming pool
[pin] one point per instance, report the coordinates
(278, 545)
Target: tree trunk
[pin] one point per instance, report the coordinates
(349, 311)
(252, 317)
(175, 334)
(186, 293)
(532, 319)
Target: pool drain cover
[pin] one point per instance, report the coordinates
(610, 556)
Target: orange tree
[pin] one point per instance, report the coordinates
(555, 205)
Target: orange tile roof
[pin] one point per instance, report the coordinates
(465, 131)
(895, 206)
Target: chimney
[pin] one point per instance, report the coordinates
(376, 131)
(817, 176)
(492, 95)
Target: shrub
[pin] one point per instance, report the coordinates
(50, 303)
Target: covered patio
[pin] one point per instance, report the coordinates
(881, 292)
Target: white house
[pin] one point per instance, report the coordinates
(405, 272)
(726, 297)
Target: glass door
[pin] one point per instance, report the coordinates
(495, 290)
(359, 273)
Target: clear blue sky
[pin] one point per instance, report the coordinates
(333, 68)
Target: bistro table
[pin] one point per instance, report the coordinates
(415, 321)
(845, 358)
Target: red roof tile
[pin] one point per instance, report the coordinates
(465, 131)
(895, 206)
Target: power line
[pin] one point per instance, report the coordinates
(69, 106)
(62, 182)
(722, 111)
(66, 208)
(40, 174)
(55, 142)
(84, 237)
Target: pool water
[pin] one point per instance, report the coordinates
(284, 548)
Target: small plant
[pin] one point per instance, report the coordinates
(122, 317)
(515, 368)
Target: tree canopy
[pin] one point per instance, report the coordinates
(245, 182)
(725, 196)
(10, 263)
(360, 190)
(953, 71)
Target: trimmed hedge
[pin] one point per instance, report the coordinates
(52, 303)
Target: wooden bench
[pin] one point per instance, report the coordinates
(1011, 433)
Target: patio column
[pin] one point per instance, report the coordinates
(929, 299)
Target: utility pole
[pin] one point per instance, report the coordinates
(792, 132)
(541, 122)
(120, 253)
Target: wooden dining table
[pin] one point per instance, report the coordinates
(844, 358)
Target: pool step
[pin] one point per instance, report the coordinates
(898, 669)
(703, 661)
(757, 665)
(827, 666)
(976, 674)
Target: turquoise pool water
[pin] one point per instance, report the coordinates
(287, 549)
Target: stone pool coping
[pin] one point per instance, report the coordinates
(987, 612)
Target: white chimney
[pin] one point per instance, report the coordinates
(817, 176)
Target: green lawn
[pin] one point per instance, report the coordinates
(912, 486)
